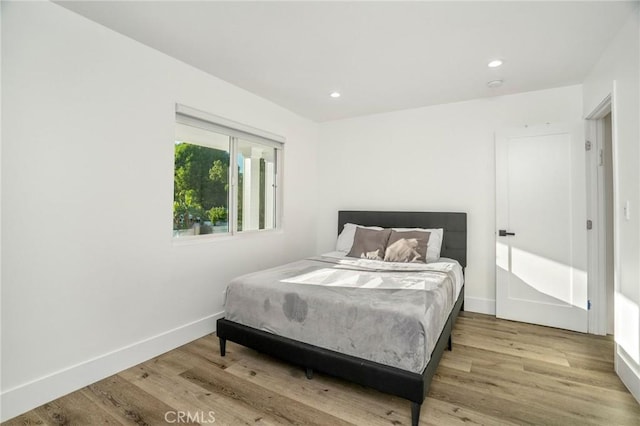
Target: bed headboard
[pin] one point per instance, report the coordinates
(454, 240)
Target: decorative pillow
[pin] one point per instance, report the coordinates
(409, 246)
(369, 243)
(345, 239)
(435, 241)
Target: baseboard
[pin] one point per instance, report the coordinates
(480, 305)
(28, 396)
(629, 372)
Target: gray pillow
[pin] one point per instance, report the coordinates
(407, 246)
(369, 243)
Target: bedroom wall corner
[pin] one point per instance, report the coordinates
(92, 281)
(617, 73)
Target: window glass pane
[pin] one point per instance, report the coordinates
(201, 182)
(256, 186)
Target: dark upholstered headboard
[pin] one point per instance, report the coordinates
(454, 241)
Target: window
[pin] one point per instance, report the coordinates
(214, 194)
(256, 185)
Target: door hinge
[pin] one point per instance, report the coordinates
(589, 224)
(601, 156)
(588, 305)
(587, 145)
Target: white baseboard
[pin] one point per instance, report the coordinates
(629, 372)
(480, 305)
(28, 396)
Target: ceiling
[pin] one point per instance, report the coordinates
(381, 56)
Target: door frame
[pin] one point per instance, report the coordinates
(596, 238)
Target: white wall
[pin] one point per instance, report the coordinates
(91, 281)
(438, 158)
(617, 73)
(1, 56)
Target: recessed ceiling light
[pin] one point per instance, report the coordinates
(495, 83)
(495, 63)
(335, 94)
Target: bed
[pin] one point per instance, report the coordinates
(319, 341)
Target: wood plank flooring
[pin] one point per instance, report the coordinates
(499, 373)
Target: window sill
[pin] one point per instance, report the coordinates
(216, 238)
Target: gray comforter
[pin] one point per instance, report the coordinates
(387, 313)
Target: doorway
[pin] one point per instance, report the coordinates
(600, 161)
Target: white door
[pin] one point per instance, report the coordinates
(541, 269)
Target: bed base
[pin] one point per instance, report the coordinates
(402, 383)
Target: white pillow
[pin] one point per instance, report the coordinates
(434, 244)
(345, 239)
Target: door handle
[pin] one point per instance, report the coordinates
(504, 233)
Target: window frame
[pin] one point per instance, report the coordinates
(235, 131)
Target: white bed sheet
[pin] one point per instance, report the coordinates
(443, 264)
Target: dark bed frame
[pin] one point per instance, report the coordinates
(402, 383)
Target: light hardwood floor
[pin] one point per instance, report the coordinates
(499, 373)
